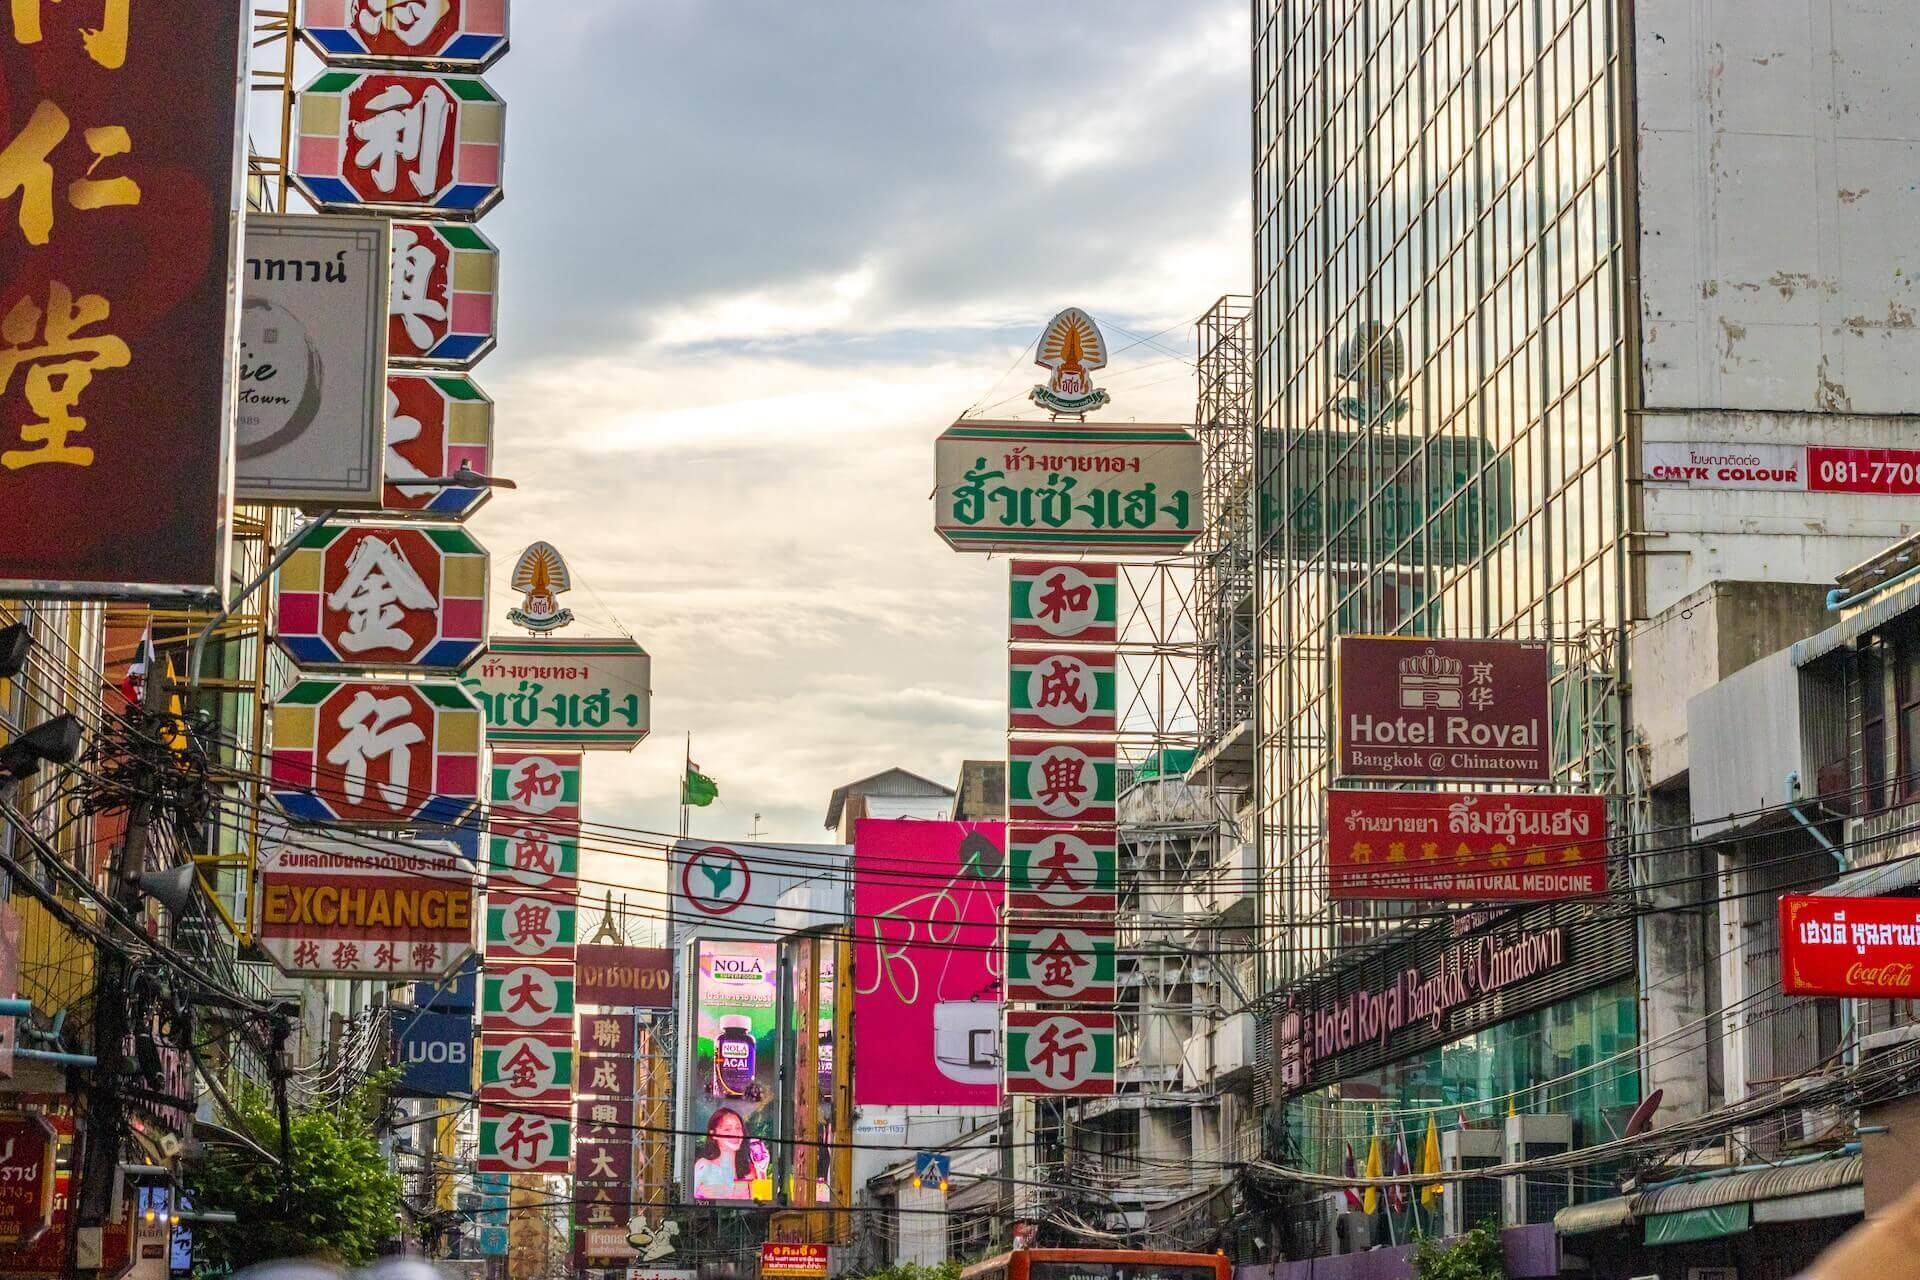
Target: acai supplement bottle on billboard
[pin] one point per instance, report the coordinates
(733, 1058)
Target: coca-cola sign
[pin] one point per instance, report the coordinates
(1469, 710)
(1436, 845)
(1850, 946)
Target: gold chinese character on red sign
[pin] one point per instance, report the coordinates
(60, 363)
(106, 44)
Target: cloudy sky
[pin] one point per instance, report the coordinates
(757, 255)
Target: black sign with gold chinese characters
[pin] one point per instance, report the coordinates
(119, 167)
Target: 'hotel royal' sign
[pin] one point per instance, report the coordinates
(1467, 710)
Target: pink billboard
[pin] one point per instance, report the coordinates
(926, 962)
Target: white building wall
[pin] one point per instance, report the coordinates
(1778, 158)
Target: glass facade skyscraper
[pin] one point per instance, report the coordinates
(1441, 372)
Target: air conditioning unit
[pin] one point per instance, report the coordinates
(1347, 1229)
(1535, 1197)
(1472, 1201)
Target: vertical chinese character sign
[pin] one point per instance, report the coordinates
(119, 160)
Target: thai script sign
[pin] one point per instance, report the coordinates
(1380, 499)
(313, 361)
(586, 693)
(1725, 466)
(464, 34)
(1077, 603)
(26, 1177)
(793, 1262)
(1051, 963)
(926, 965)
(399, 142)
(1451, 845)
(1065, 783)
(523, 1142)
(436, 423)
(1024, 486)
(380, 753)
(1062, 869)
(380, 597)
(1463, 974)
(1472, 710)
(1056, 1053)
(336, 907)
(623, 977)
(118, 312)
(443, 295)
(1060, 690)
(1834, 946)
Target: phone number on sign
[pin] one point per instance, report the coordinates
(1892, 471)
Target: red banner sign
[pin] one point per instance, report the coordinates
(1850, 946)
(1437, 845)
(1472, 710)
(26, 1178)
(117, 306)
(622, 977)
(793, 1262)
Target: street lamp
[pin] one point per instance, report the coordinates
(464, 478)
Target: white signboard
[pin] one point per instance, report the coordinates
(1725, 466)
(311, 425)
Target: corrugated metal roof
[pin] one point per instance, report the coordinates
(1868, 882)
(1752, 1184)
(1595, 1215)
(1878, 614)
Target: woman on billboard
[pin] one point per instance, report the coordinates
(722, 1170)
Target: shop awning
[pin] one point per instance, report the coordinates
(1595, 1215)
(1876, 615)
(1868, 882)
(1699, 1224)
(1796, 1192)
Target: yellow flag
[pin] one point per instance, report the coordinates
(1370, 1200)
(1430, 1163)
(1510, 1101)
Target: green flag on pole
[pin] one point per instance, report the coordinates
(697, 789)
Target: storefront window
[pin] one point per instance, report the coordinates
(1574, 1058)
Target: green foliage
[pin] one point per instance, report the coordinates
(915, 1271)
(1474, 1256)
(345, 1198)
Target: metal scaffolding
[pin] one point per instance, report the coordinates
(1223, 554)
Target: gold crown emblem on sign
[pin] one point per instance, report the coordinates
(1430, 666)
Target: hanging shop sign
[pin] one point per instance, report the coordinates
(311, 426)
(606, 1163)
(119, 308)
(1120, 489)
(529, 998)
(793, 1262)
(383, 597)
(1836, 946)
(515, 1141)
(541, 788)
(542, 574)
(533, 856)
(733, 1090)
(1786, 468)
(399, 142)
(1468, 710)
(1063, 869)
(1437, 846)
(1069, 603)
(1062, 691)
(1072, 349)
(604, 1077)
(1447, 981)
(341, 907)
(434, 1052)
(590, 694)
(531, 927)
(364, 751)
(1060, 1053)
(525, 1069)
(26, 1177)
(1374, 498)
(610, 1032)
(463, 35)
(443, 296)
(1064, 783)
(435, 423)
(618, 976)
(926, 909)
(1060, 963)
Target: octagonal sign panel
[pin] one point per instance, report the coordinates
(435, 422)
(459, 35)
(400, 142)
(377, 753)
(379, 597)
(442, 295)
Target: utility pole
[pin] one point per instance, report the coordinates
(105, 1118)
